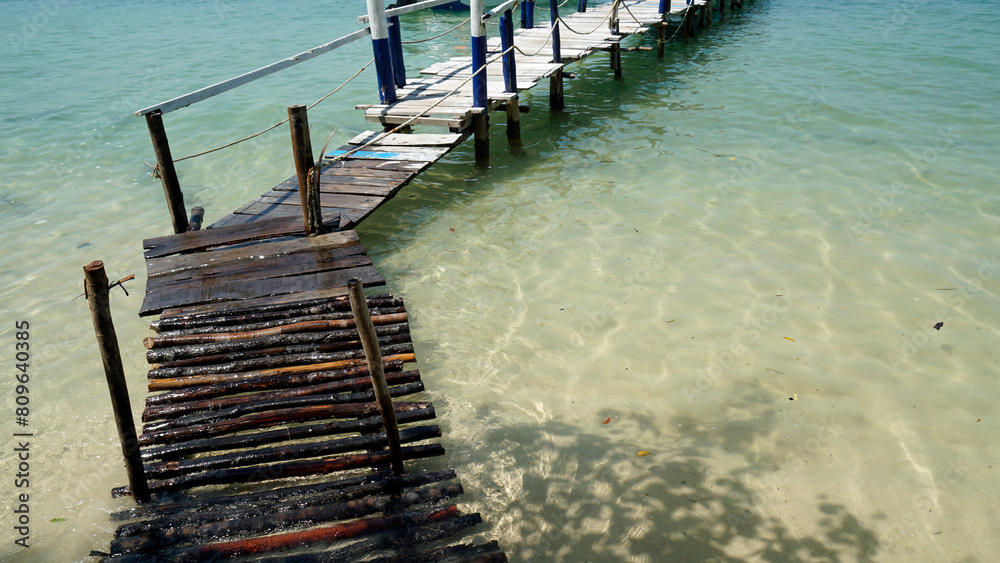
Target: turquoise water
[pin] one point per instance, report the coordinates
(779, 210)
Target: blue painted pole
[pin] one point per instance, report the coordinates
(582, 6)
(383, 54)
(396, 48)
(528, 14)
(664, 7)
(478, 54)
(556, 50)
(506, 40)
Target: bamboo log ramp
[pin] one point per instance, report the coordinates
(262, 436)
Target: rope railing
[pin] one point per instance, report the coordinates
(278, 124)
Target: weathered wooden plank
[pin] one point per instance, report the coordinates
(226, 291)
(348, 217)
(379, 154)
(327, 199)
(409, 139)
(207, 238)
(266, 301)
(254, 251)
(281, 266)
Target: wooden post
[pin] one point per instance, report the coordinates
(661, 39)
(722, 10)
(480, 117)
(556, 99)
(396, 52)
(513, 122)
(312, 214)
(664, 7)
(383, 54)
(168, 174)
(616, 59)
(528, 14)
(369, 340)
(581, 6)
(197, 218)
(96, 289)
(506, 42)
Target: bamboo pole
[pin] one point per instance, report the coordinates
(198, 380)
(96, 289)
(308, 326)
(312, 214)
(168, 174)
(366, 330)
(261, 384)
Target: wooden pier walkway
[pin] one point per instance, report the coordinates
(264, 436)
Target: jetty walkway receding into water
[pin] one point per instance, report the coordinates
(270, 430)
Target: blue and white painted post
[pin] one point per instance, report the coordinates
(556, 101)
(510, 78)
(383, 54)
(396, 50)
(528, 14)
(480, 102)
(661, 30)
(581, 6)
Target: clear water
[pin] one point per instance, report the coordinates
(781, 210)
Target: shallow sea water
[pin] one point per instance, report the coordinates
(737, 254)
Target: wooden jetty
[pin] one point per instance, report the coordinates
(281, 423)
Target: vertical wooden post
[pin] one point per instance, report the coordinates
(722, 10)
(168, 174)
(480, 118)
(581, 6)
(513, 122)
(96, 289)
(383, 54)
(664, 7)
(197, 218)
(616, 59)
(506, 42)
(528, 14)
(369, 340)
(396, 52)
(556, 97)
(661, 39)
(312, 213)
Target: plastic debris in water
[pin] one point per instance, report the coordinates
(643, 453)
(792, 339)
(607, 420)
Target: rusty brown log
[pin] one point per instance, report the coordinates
(292, 452)
(274, 323)
(262, 384)
(175, 353)
(354, 384)
(197, 380)
(286, 470)
(268, 419)
(342, 346)
(271, 362)
(251, 407)
(182, 320)
(279, 520)
(311, 326)
(364, 426)
(203, 511)
(292, 540)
